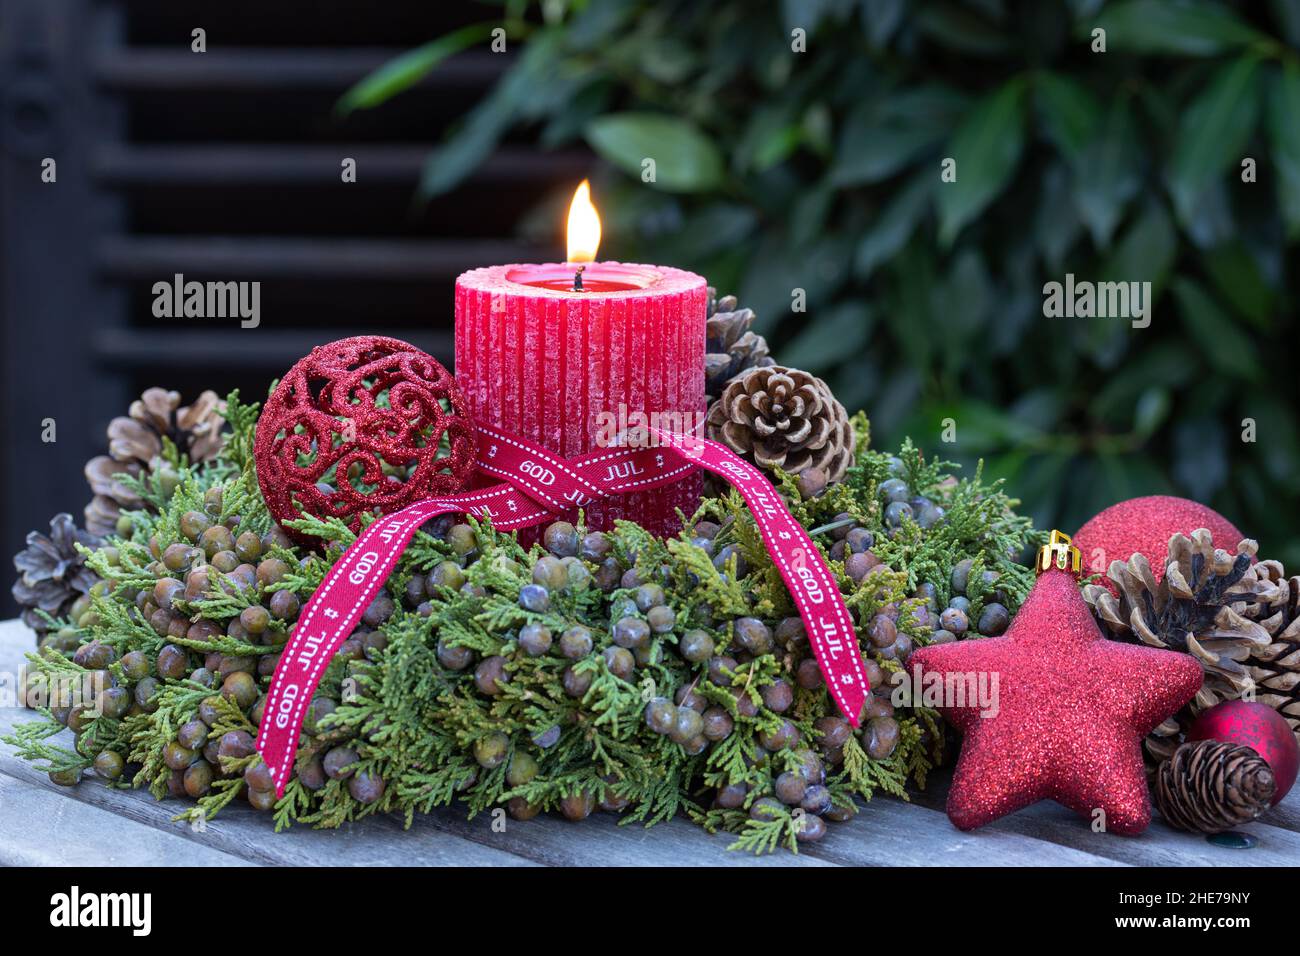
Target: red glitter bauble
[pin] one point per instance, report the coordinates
(1145, 525)
(366, 424)
(1259, 727)
(1060, 714)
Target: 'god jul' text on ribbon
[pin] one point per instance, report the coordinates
(537, 486)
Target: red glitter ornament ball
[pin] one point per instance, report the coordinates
(1052, 710)
(365, 424)
(1259, 727)
(1145, 525)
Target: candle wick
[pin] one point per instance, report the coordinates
(577, 278)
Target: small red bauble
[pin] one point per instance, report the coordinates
(1259, 727)
(1145, 525)
(365, 424)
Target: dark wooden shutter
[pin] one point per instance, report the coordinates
(223, 165)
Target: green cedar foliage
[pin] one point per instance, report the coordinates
(417, 725)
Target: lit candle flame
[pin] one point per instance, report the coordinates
(584, 226)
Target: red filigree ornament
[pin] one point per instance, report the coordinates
(362, 425)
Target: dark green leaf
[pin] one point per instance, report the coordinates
(855, 383)
(808, 216)
(816, 127)
(449, 164)
(1211, 223)
(594, 25)
(808, 14)
(964, 296)
(895, 225)
(1107, 174)
(1151, 410)
(1166, 365)
(408, 69)
(1284, 132)
(829, 338)
(1275, 437)
(1213, 133)
(1128, 476)
(1146, 252)
(911, 318)
(1200, 456)
(666, 60)
(1039, 480)
(686, 160)
(1224, 345)
(881, 19)
(779, 267)
(881, 137)
(1196, 28)
(982, 427)
(1237, 276)
(770, 136)
(987, 147)
(1068, 111)
(1287, 13)
(959, 28)
(1040, 409)
(567, 124)
(713, 229)
(1057, 223)
(1084, 8)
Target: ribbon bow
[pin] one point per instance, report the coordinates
(539, 486)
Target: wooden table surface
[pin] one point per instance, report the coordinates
(94, 825)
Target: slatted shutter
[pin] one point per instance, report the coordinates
(222, 166)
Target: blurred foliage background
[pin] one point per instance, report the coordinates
(820, 170)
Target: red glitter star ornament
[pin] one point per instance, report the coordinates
(1066, 717)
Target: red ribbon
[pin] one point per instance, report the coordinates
(539, 486)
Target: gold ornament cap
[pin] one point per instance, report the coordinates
(1061, 554)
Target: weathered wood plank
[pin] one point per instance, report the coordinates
(242, 832)
(600, 841)
(889, 832)
(1287, 813)
(1160, 845)
(39, 827)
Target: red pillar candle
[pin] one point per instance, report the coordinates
(572, 369)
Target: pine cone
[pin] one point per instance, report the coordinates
(1209, 787)
(731, 348)
(136, 445)
(1237, 618)
(52, 574)
(1275, 667)
(783, 417)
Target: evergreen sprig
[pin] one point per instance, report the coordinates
(426, 730)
